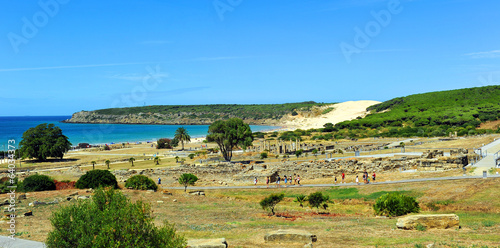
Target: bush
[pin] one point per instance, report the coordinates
(270, 202)
(96, 178)
(109, 219)
(317, 200)
(395, 204)
(5, 183)
(38, 183)
(187, 179)
(141, 182)
(263, 155)
(164, 144)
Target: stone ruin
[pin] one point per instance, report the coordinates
(226, 172)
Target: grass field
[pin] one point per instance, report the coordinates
(348, 222)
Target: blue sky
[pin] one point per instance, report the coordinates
(60, 57)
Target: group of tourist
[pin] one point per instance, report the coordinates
(285, 179)
(366, 178)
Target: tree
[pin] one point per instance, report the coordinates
(164, 144)
(317, 200)
(298, 153)
(301, 199)
(182, 135)
(131, 160)
(109, 219)
(93, 164)
(270, 202)
(157, 160)
(263, 155)
(187, 179)
(315, 152)
(107, 162)
(229, 134)
(177, 159)
(44, 141)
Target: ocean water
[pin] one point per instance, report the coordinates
(14, 127)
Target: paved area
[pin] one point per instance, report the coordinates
(6, 242)
(272, 185)
(487, 162)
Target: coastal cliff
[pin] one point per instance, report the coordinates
(183, 118)
(256, 114)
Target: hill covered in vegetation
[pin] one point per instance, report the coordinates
(428, 114)
(268, 114)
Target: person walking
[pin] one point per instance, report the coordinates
(255, 181)
(298, 180)
(267, 182)
(357, 180)
(373, 177)
(294, 179)
(290, 179)
(335, 179)
(285, 180)
(343, 177)
(278, 181)
(159, 180)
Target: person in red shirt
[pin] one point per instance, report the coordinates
(343, 177)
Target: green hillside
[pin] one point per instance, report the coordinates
(215, 111)
(429, 114)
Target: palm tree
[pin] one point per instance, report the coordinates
(182, 135)
(107, 162)
(131, 160)
(93, 165)
(157, 160)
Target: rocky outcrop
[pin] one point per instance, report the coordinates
(438, 221)
(290, 236)
(183, 118)
(207, 243)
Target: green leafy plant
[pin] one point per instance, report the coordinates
(131, 160)
(420, 227)
(95, 179)
(141, 182)
(317, 200)
(263, 155)
(38, 183)
(301, 199)
(192, 155)
(44, 141)
(187, 179)
(109, 219)
(270, 202)
(395, 204)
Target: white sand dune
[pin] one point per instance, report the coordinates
(342, 112)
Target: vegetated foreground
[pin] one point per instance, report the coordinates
(348, 222)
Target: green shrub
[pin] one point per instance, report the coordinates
(38, 183)
(270, 202)
(141, 182)
(317, 200)
(395, 204)
(187, 179)
(420, 227)
(5, 183)
(109, 219)
(263, 155)
(95, 179)
(300, 199)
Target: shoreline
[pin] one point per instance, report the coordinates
(197, 138)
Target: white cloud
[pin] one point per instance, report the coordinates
(482, 55)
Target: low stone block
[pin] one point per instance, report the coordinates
(290, 236)
(207, 243)
(438, 221)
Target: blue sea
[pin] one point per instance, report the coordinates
(14, 127)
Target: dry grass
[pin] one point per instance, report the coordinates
(236, 215)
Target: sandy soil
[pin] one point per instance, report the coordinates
(342, 112)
